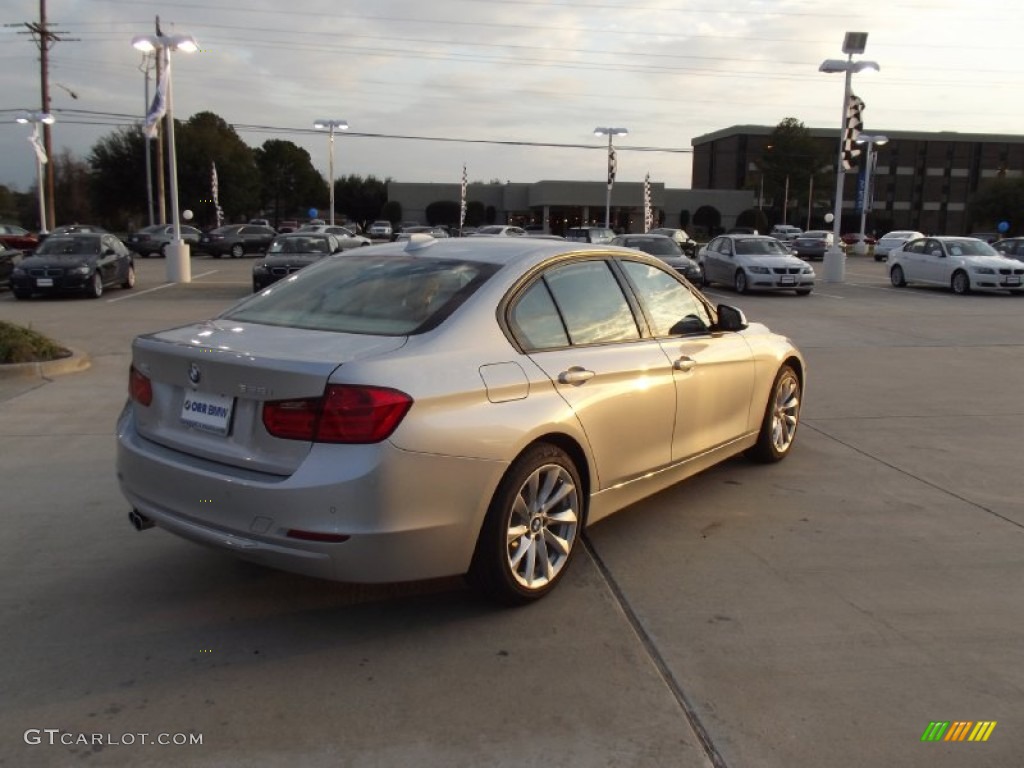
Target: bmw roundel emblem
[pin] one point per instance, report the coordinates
(193, 373)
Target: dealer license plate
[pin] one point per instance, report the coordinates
(1013, 280)
(787, 280)
(208, 412)
(44, 282)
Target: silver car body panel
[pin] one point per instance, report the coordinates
(655, 412)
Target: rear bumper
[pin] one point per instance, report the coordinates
(407, 516)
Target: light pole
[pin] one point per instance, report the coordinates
(37, 119)
(610, 132)
(854, 42)
(179, 269)
(867, 193)
(332, 126)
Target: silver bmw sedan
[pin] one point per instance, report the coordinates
(436, 407)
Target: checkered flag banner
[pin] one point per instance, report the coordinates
(215, 194)
(854, 125)
(612, 163)
(462, 198)
(648, 213)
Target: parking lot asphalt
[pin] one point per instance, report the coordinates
(819, 612)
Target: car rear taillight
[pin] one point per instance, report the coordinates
(344, 414)
(140, 388)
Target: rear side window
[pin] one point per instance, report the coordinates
(377, 295)
(574, 304)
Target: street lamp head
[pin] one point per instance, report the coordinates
(600, 131)
(36, 117)
(338, 125)
(839, 65)
(877, 140)
(149, 43)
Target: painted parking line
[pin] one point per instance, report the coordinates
(158, 288)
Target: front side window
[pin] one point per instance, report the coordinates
(671, 308)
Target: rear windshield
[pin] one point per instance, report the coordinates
(384, 295)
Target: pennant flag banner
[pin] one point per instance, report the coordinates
(853, 128)
(38, 145)
(215, 194)
(462, 198)
(158, 108)
(648, 213)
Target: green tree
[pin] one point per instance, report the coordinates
(289, 184)
(475, 213)
(117, 164)
(392, 211)
(72, 194)
(997, 200)
(361, 200)
(444, 212)
(791, 158)
(206, 139)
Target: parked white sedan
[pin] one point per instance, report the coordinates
(963, 264)
(894, 239)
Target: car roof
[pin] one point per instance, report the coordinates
(522, 251)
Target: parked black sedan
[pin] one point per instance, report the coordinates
(154, 239)
(290, 253)
(236, 240)
(79, 263)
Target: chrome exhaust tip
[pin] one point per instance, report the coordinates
(139, 521)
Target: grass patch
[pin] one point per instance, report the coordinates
(23, 345)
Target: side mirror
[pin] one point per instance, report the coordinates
(730, 318)
(689, 324)
(109, 252)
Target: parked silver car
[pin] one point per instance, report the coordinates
(755, 262)
(894, 239)
(436, 407)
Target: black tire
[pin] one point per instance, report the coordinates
(129, 278)
(215, 255)
(163, 251)
(532, 528)
(896, 277)
(739, 281)
(960, 283)
(237, 251)
(95, 288)
(879, 257)
(803, 291)
(781, 418)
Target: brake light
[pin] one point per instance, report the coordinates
(140, 388)
(344, 414)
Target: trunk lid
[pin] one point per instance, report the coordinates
(210, 381)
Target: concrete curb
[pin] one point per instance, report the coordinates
(78, 361)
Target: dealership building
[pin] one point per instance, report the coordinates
(922, 181)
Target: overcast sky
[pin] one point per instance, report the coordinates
(531, 71)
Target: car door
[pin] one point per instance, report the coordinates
(719, 268)
(108, 259)
(713, 371)
(935, 264)
(577, 325)
(911, 259)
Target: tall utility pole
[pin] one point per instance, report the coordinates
(45, 38)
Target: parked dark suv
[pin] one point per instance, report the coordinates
(236, 240)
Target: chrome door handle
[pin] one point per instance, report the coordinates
(684, 364)
(575, 375)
